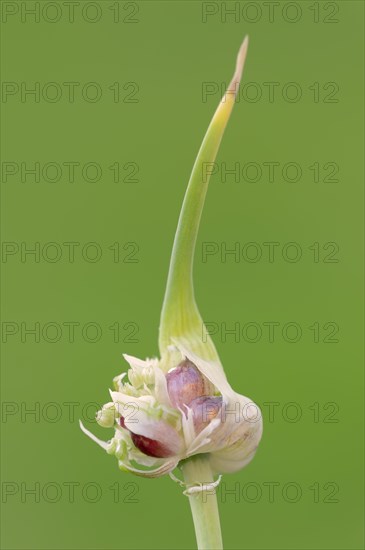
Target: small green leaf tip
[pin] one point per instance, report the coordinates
(180, 315)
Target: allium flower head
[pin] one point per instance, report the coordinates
(161, 417)
(179, 409)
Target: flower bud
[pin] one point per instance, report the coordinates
(106, 416)
(140, 376)
(128, 389)
(185, 383)
(135, 378)
(176, 414)
(121, 450)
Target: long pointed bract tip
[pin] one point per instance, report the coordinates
(241, 58)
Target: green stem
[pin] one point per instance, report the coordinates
(180, 314)
(204, 506)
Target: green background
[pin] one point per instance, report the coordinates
(169, 52)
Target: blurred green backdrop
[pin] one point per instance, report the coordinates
(124, 92)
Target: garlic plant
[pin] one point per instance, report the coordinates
(179, 411)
